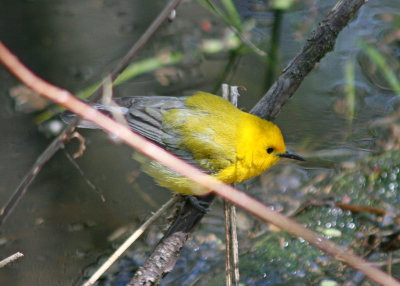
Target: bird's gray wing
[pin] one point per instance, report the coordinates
(144, 115)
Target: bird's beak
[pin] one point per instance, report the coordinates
(290, 155)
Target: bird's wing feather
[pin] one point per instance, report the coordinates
(188, 131)
(145, 117)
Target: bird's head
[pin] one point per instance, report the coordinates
(270, 146)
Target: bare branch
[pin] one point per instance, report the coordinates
(321, 41)
(141, 42)
(128, 242)
(10, 259)
(155, 152)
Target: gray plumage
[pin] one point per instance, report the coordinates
(144, 115)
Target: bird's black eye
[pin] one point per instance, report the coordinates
(270, 150)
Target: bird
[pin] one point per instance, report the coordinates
(203, 129)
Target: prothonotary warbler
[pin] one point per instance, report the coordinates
(205, 130)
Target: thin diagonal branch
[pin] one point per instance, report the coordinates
(128, 242)
(11, 258)
(58, 142)
(141, 42)
(155, 152)
(321, 41)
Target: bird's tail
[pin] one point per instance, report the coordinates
(68, 117)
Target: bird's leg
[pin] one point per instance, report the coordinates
(201, 205)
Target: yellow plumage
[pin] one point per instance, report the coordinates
(206, 131)
(223, 140)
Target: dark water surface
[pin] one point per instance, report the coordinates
(62, 225)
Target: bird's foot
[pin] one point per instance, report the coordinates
(202, 206)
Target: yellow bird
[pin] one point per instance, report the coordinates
(205, 130)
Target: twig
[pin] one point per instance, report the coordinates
(163, 258)
(82, 145)
(232, 245)
(227, 217)
(11, 258)
(228, 244)
(33, 172)
(321, 41)
(235, 246)
(141, 42)
(90, 184)
(107, 100)
(103, 268)
(155, 152)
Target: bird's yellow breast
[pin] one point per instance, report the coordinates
(222, 140)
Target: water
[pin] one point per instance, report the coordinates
(62, 225)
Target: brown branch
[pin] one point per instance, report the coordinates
(155, 152)
(321, 41)
(162, 260)
(12, 202)
(141, 42)
(58, 143)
